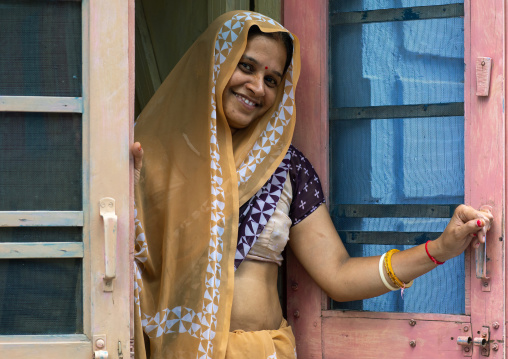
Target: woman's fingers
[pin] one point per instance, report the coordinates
(137, 154)
(476, 223)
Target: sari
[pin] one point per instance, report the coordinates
(194, 179)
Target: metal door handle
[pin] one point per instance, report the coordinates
(481, 261)
(107, 211)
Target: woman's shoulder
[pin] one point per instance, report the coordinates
(306, 186)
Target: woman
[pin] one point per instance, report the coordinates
(221, 191)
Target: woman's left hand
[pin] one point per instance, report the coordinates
(137, 154)
(467, 224)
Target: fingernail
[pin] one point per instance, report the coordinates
(477, 244)
(139, 149)
(479, 223)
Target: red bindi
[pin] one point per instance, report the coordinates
(266, 67)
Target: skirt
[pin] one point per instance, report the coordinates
(263, 344)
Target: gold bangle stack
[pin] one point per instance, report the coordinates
(391, 274)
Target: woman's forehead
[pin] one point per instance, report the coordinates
(266, 51)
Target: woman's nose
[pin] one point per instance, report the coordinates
(256, 85)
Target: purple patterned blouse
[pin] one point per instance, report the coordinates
(255, 213)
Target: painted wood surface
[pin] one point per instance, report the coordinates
(132, 100)
(41, 104)
(398, 339)
(310, 24)
(485, 159)
(41, 218)
(45, 346)
(350, 314)
(109, 111)
(41, 250)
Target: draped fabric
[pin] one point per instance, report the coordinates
(194, 179)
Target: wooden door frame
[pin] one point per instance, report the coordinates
(485, 135)
(310, 24)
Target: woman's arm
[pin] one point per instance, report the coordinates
(319, 249)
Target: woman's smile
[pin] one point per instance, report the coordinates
(246, 101)
(253, 86)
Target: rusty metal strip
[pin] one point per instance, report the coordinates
(391, 238)
(400, 14)
(392, 210)
(402, 111)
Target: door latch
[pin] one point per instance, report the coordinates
(482, 342)
(483, 69)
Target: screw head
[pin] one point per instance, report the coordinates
(466, 328)
(412, 322)
(467, 349)
(495, 347)
(294, 286)
(296, 314)
(99, 343)
(495, 325)
(412, 343)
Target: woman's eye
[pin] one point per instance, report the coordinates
(245, 66)
(271, 81)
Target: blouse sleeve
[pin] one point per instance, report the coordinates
(307, 192)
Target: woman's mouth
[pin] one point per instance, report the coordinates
(245, 100)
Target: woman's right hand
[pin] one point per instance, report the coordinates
(137, 154)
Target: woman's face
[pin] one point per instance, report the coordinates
(252, 88)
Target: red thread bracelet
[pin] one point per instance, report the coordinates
(431, 258)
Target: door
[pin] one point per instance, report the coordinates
(65, 105)
(410, 137)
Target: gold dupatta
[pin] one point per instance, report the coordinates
(195, 176)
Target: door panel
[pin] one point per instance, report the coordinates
(323, 333)
(66, 99)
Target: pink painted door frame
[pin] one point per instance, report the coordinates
(322, 333)
(485, 169)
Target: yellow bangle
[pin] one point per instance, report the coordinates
(391, 274)
(382, 274)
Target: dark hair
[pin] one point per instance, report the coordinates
(283, 37)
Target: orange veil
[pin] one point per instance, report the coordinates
(195, 176)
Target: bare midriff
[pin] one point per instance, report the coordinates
(256, 304)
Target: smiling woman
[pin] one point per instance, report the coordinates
(196, 175)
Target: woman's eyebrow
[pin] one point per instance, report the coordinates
(251, 59)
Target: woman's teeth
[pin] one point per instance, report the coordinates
(243, 99)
